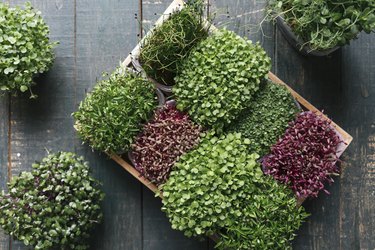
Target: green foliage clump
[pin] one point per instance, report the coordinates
(326, 24)
(219, 78)
(219, 188)
(267, 117)
(55, 206)
(168, 44)
(269, 218)
(112, 115)
(25, 49)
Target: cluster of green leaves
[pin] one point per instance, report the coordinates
(171, 42)
(326, 24)
(25, 49)
(219, 78)
(269, 218)
(55, 206)
(112, 114)
(267, 118)
(219, 188)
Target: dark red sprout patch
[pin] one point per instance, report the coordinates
(162, 141)
(305, 157)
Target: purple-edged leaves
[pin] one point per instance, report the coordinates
(162, 141)
(305, 156)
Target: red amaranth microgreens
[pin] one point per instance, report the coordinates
(163, 140)
(305, 157)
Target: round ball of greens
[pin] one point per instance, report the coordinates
(220, 188)
(171, 42)
(55, 206)
(113, 113)
(25, 49)
(219, 78)
(267, 117)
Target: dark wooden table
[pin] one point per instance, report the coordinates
(95, 35)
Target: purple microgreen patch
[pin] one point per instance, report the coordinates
(305, 157)
(163, 140)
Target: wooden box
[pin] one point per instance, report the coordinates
(178, 4)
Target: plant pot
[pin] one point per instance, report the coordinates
(161, 97)
(297, 43)
(137, 65)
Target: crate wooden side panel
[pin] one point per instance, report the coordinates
(128, 167)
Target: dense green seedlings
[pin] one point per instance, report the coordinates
(55, 206)
(204, 187)
(269, 218)
(267, 117)
(326, 24)
(168, 44)
(219, 78)
(112, 114)
(25, 49)
(219, 188)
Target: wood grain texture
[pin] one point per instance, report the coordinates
(106, 31)
(4, 132)
(157, 231)
(357, 206)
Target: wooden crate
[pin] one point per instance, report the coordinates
(178, 4)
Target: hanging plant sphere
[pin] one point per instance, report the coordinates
(25, 49)
(219, 78)
(55, 206)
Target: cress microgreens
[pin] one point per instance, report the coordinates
(111, 115)
(55, 206)
(219, 187)
(268, 220)
(168, 44)
(219, 78)
(25, 49)
(326, 24)
(163, 140)
(267, 117)
(305, 157)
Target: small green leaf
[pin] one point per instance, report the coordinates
(23, 88)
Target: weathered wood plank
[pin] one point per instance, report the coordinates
(318, 80)
(357, 206)
(106, 31)
(157, 231)
(45, 123)
(4, 150)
